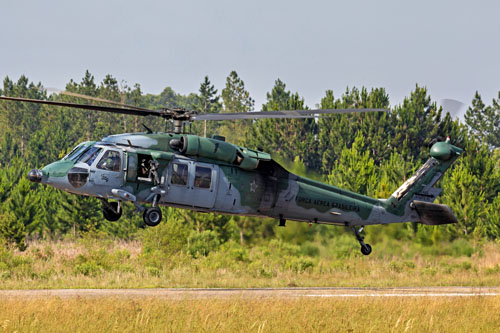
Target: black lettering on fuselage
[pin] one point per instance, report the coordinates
(326, 203)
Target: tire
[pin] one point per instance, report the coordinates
(366, 249)
(109, 214)
(152, 216)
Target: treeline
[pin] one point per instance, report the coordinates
(370, 153)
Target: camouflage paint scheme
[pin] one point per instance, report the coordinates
(246, 182)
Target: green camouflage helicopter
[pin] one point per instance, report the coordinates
(211, 175)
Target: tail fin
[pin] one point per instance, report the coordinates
(418, 191)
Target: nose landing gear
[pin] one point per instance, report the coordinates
(366, 249)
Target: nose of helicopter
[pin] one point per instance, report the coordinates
(35, 175)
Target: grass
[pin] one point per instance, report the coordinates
(92, 263)
(257, 315)
(104, 263)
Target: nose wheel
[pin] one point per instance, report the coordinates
(366, 249)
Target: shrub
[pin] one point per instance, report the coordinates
(169, 237)
(395, 267)
(344, 246)
(120, 256)
(309, 249)
(493, 270)
(300, 264)
(281, 248)
(461, 247)
(89, 268)
(238, 253)
(202, 243)
(3, 266)
(153, 271)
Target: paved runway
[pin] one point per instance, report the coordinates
(257, 293)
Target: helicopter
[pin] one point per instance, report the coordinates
(183, 170)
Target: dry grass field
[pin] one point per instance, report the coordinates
(464, 314)
(91, 263)
(119, 264)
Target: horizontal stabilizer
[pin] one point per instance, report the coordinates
(434, 214)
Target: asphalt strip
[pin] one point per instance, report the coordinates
(257, 293)
(408, 295)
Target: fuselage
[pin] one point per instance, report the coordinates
(208, 175)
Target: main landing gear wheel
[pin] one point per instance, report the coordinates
(366, 249)
(152, 216)
(113, 212)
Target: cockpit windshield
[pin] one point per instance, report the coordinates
(89, 155)
(77, 151)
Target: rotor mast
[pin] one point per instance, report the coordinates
(178, 117)
(178, 126)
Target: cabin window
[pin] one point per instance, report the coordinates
(179, 174)
(110, 161)
(203, 177)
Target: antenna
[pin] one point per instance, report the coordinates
(147, 129)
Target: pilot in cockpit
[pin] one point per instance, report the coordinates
(112, 162)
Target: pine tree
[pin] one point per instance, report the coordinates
(23, 203)
(484, 121)
(337, 131)
(416, 124)
(285, 138)
(134, 97)
(355, 170)
(462, 192)
(21, 119)
(393, 172)
(234, 95)
(493, 137)
(86, 120)
(491, 228)
(208, 102)
(235, 98)
(12, 231)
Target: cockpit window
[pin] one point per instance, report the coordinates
(89, 155)
(110, 161)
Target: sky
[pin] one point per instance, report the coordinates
(451, 47)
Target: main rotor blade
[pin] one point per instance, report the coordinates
(97, 99)
(453, 107)
(280, 114)
(135, 112)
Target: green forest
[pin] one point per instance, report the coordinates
(369, 153)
